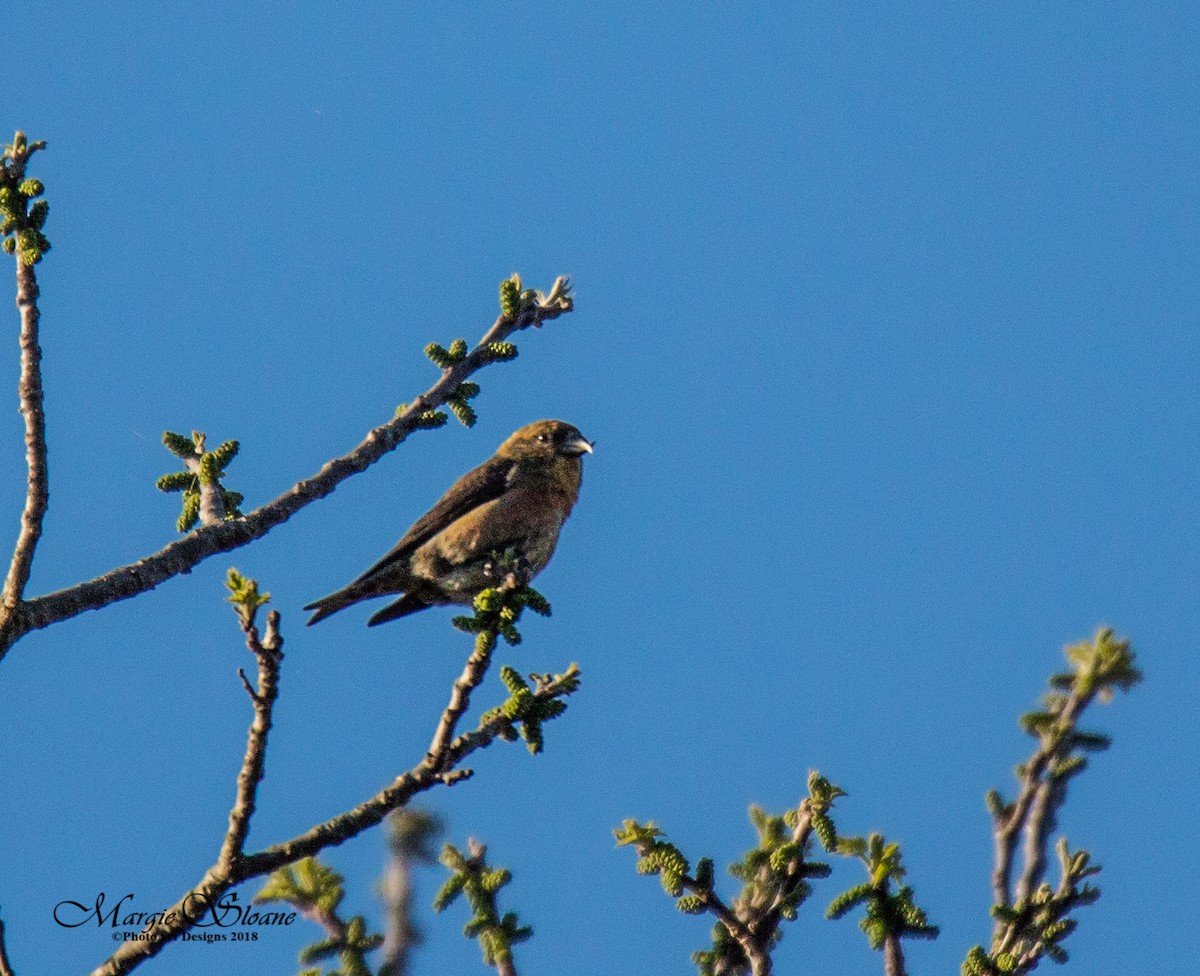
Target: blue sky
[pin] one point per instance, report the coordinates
(886, 335)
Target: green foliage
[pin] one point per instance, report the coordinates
(441, 357)
(1036, 926)
(427, 419)
(183, 447)
(525, 709)
(245, 597)
(775, 881)
(888, 914)
(656, 856)
(209, 470)
(316, 891)
(511, 296)
(460, 407)
(457, 401)
(500, 352)
(480, 884)
(497, 610)
(1103, 665)
(306, 884)
(515, 299)
(1039, 920)
(22, 214)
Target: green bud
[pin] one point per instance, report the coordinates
(224, 454)
(493, 881)
(847, 900)
(439, 356)
(37, 214)
(209, 471)
(191, 511)
(825, 831)
(233, 501)
(977, 963)
(513, 680)
(672, 881)
(431, 420)
(176, 481)
(510, 296)
(179, 445)
(531, 732)
(501, 351)
(463, 411)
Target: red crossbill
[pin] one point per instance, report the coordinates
(510, 508)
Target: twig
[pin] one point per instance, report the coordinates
(763, 919)
(410, 836)
(1032, 919)
(1032, 811)
(184, 554)
(460, 700)
(37, 482)
(212, 498)
(5, 965)
(401, 933)
(269, 654)
(734, 925)
(893, 956)
(228, 873)
(753, 921)
(334, 927)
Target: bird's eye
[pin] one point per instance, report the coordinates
(542, 438)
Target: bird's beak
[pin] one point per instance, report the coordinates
(579, 447)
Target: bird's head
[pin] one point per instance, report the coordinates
(546, 439)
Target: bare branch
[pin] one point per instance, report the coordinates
(5, 965)
(436, 768)
(1032, 812)
(460, 700)
(411, 834)
(893, 957)
(1032, 920)
(37, 482)
(269, 654)
(184, 554)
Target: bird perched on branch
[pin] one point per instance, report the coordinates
(503, 517)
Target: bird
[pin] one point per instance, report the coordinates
(508, 509)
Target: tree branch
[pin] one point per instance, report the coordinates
(764, 919)
(5, 966)
(893, 956)
(1033, 919)
(184, 554)
(1032, 811)
(460, 700)
(411, 834)
(37, 491)
(269, 654)
(436, 768)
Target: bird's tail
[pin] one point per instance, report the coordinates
(331, 604)
(409, 603)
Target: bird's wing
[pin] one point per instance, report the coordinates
(477, 487)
